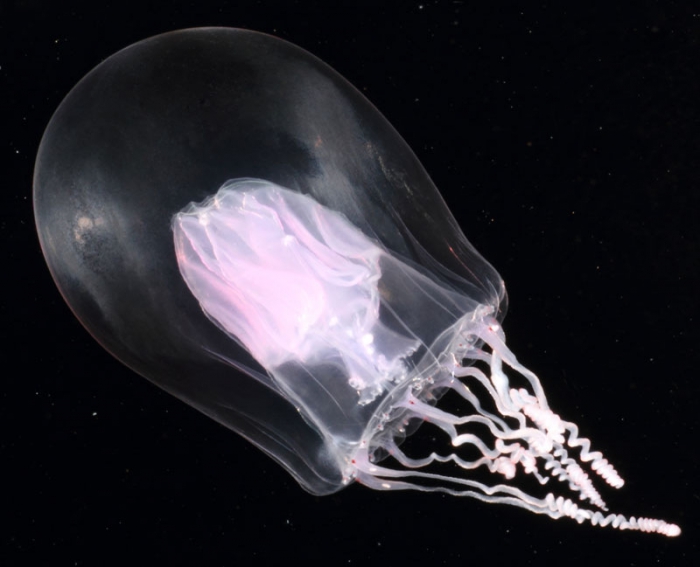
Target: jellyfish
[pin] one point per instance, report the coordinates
(232, 220)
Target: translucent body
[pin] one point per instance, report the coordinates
(321, 302)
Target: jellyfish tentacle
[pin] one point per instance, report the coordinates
(446, 420)
(503, 404)
(544, 418)
(502, 459)
(492, 334)
(538, 411)
(384, 478)
(489, 457)
(527, 435)
(462, 390)
(599, 464)
(555, 427)
(542, 443)
(567, 470)
(564, 507)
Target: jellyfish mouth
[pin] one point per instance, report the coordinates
(528, 439)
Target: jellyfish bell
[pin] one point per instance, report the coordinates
(231, 219)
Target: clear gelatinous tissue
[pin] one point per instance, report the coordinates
(234, 221)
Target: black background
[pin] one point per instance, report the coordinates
(566, 143)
